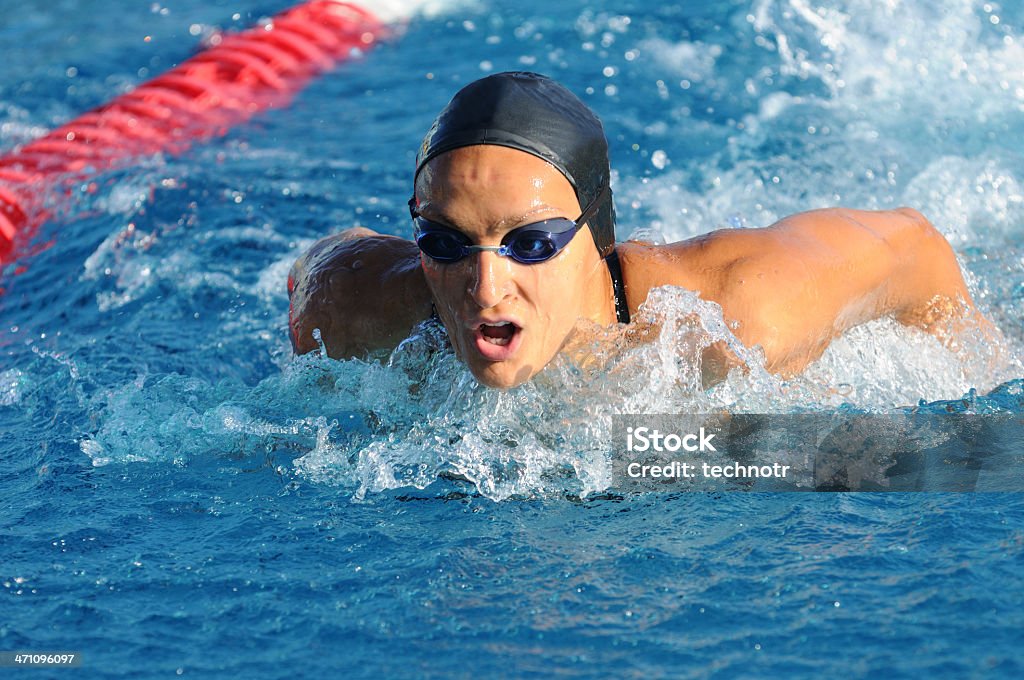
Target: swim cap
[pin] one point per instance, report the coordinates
(532, 113)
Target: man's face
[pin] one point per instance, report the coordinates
(505, 319)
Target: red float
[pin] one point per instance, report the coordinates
(230, 81)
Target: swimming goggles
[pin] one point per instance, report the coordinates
(528, 244)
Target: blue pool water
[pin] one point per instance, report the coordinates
(181, 496)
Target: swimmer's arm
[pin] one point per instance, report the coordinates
(365, 291)
(798, 284)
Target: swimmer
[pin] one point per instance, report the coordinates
(514, 242)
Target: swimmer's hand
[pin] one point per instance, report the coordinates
(364, 291)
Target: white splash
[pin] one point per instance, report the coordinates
(392, 11)
(693, 61)
(12, 382)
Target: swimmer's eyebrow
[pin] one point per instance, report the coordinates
(505, 224)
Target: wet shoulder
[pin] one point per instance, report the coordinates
(696, 264)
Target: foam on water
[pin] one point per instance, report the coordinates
(11, 387)
(848, 87)
(970, 199)
(420, 418)
(404, 10)
(860, 49)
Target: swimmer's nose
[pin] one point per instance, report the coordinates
(491, 280)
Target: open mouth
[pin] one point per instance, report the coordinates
(497, 341)
(498, 334)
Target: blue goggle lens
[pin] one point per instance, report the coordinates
(527, 244)
(444, 246)
(533, 246)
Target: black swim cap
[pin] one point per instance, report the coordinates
(532, 113)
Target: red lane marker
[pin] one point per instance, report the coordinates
(226, 84)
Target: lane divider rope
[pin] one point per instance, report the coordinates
(237, 76)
